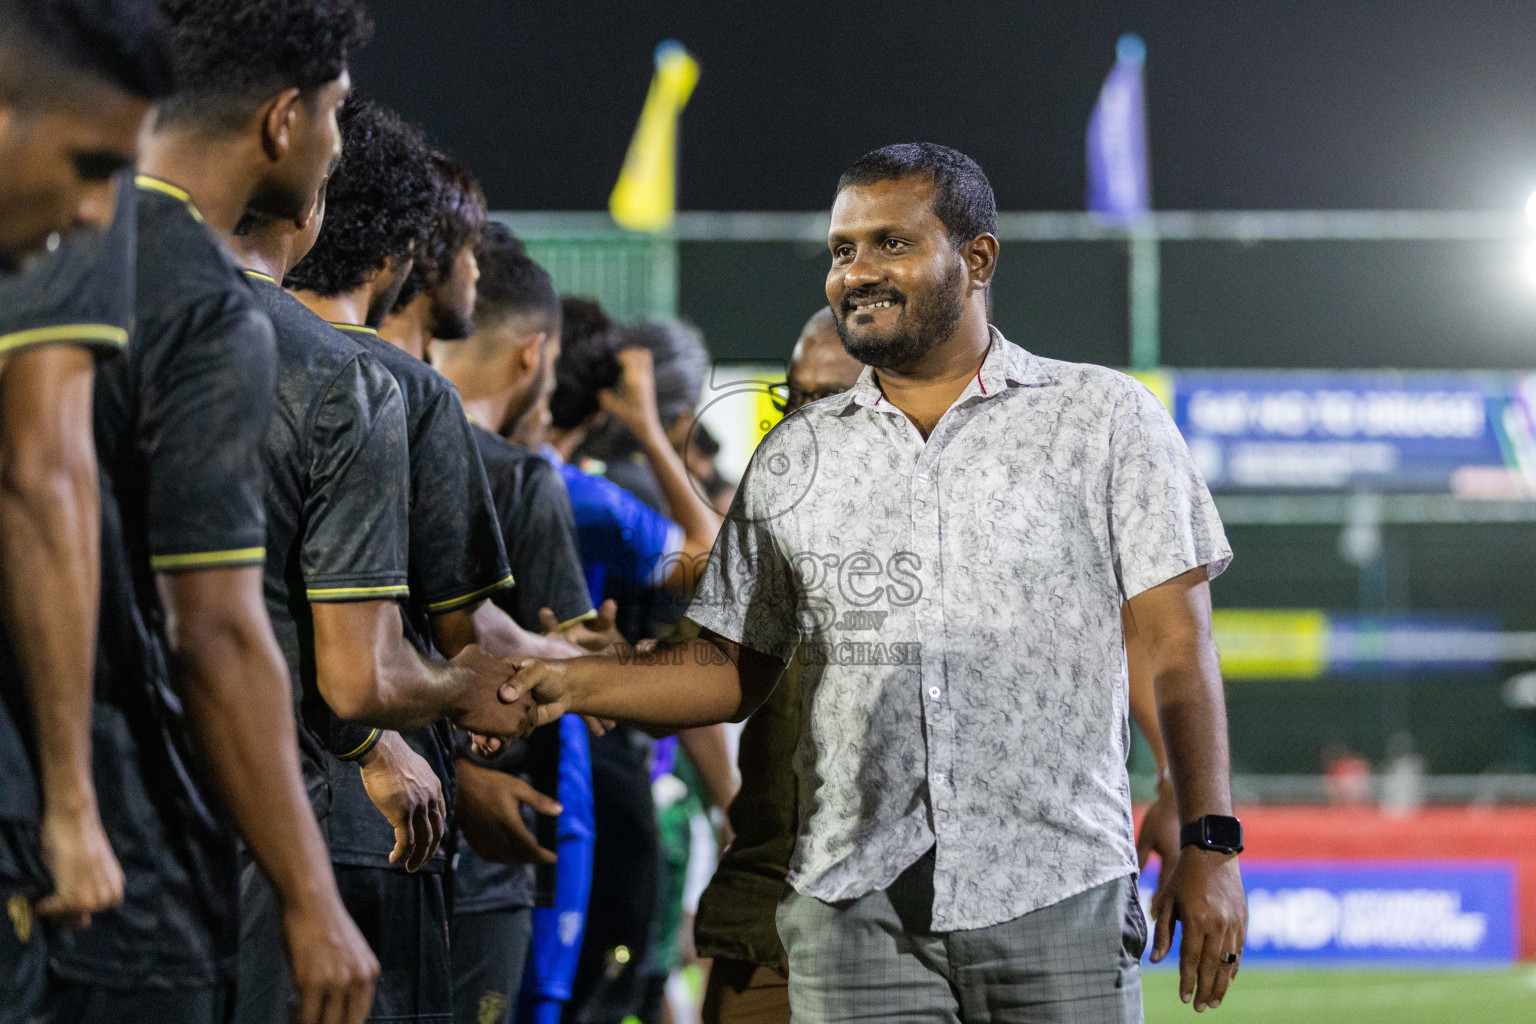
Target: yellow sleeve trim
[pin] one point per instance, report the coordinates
(64, 332)
(590, 613)
(206, 559)
(361, 748)
(457, 602)
(348, 593)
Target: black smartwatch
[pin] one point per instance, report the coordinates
(1213, 832)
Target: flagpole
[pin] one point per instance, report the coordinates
(1145, 274)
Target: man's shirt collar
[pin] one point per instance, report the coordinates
(1005, 366)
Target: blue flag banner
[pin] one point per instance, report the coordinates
(1387, 913)
(1119, 182)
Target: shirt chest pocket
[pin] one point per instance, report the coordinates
(1019, 529)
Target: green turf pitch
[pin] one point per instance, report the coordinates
(1354, 997)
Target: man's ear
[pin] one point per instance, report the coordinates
(530, 351)
(279, 120)
(980, 255)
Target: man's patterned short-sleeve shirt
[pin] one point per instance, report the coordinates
(957, 605)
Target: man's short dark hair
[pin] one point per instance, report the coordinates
(588, 363)
(962, 195)
(232, 55)
(47, 45)
(511, 283)
(458, 217)
(377, 201)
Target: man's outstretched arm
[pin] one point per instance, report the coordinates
(1204, 892)
(701, 681)
(232, 677)
(50, 544)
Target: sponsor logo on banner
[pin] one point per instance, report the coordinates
(1411, 913)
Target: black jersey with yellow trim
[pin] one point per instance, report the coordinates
(456, 558)
(179, 428)
(80, 294)
(457, 553)
(337, 506)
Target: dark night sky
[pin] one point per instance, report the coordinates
(1291, 104)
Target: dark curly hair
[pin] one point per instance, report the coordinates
(231, 55)
(458, 217)
(588, 363)
(47, 45)
(511, 283)
(377, 202)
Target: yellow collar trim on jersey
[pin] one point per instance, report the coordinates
(260, 276)
(359, 328)
(154, 184)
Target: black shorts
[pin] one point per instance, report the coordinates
(69, 1002)
(23, 947)
(404, 917)
(490, 950)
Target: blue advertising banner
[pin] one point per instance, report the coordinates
(1388, 913)
(1470, 433)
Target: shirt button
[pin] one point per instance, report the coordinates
(922, 478)
(934, 691)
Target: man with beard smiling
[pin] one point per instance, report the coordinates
(965, 849)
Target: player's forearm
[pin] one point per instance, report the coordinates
(1192, 712)
(688, 508)
(680, 686)
(239, 706)
(50, 550)
(496, 632)
(408, 691)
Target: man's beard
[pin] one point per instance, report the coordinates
(918, 329)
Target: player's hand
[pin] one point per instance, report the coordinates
(488, 708)
(408, 793)
(543, 683)
(86, 876)
(598, 634)
(1160, 831)
(490, 813)
(632, 401)
(333, 969)
(1204, 894)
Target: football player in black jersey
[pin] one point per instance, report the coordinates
(76, 80)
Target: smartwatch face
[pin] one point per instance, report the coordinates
(1223, 833)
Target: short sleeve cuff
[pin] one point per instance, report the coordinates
(190, 560)
(103, 337)
(355, 586)
(720, 621)
(370, 741)
(1144, 578)
(454, 603)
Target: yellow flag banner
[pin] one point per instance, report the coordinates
(645, 197)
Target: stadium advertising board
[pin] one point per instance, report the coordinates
(1387, 913)
(1466, 433)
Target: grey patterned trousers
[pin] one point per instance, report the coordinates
(875, 958)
